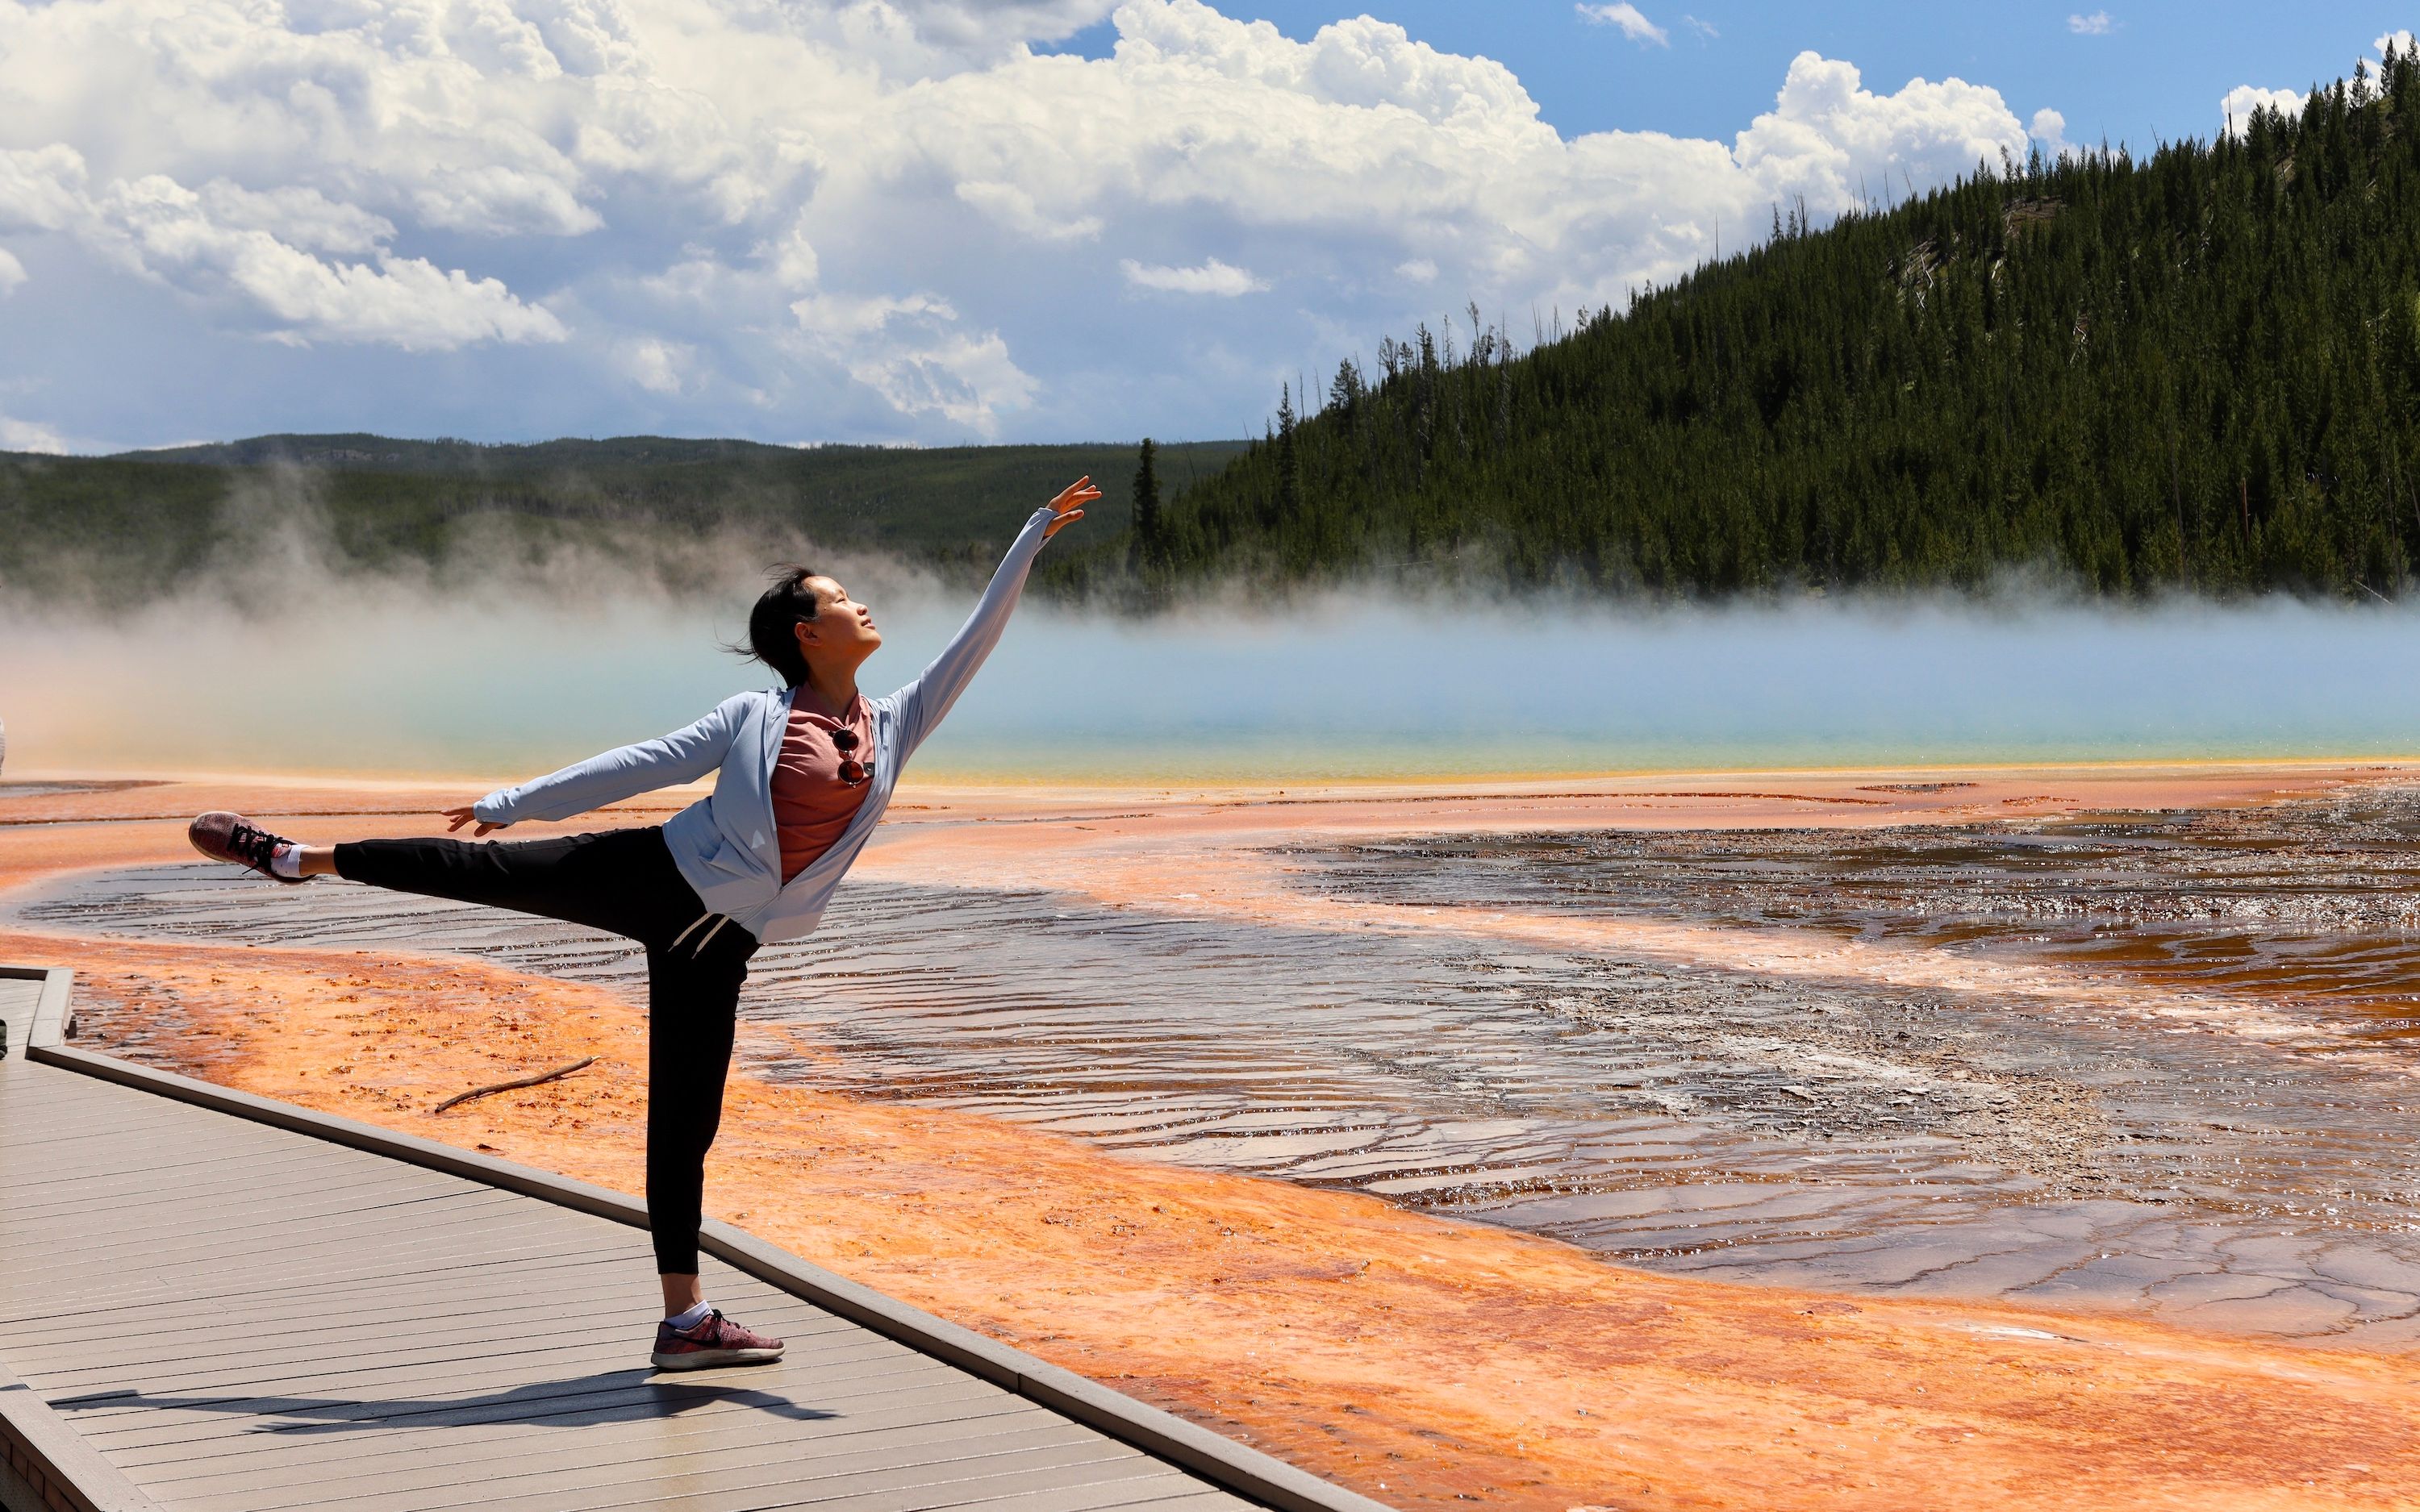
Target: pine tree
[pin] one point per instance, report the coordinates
(1289, 462)
(1149, 527)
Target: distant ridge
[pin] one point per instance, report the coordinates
(367, 453)
(73, 525)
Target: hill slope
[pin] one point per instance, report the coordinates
(2199, 371)
(70, 523)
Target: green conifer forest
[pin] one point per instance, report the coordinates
(2197, 370)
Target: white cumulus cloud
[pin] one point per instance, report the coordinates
(1827, 135)
(1212, 277)
(1627, 17)
(222, 246)
(2099, 23)
(658, 366)
(32, 436)
(912, 350)
(2237, 108)
(862, 220)
(2050, 130)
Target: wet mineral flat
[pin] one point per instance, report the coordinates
(2244, 1166)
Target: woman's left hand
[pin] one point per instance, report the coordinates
(457, 818)
(1070, 504)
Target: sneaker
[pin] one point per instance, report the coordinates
(716, 1341)
(229, 837)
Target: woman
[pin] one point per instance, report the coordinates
(802, 774)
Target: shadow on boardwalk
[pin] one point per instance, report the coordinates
(594, 1400)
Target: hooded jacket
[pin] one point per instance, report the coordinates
(725, 844)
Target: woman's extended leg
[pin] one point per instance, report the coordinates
(622, 881)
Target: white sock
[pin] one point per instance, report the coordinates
(286, 860)
(685, 1322)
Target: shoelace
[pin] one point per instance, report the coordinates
(252, 845)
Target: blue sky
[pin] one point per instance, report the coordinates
(2154, 69)
(930, 222)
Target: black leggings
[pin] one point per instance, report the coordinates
(623, 882)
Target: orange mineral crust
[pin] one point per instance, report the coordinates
(1425, 1361)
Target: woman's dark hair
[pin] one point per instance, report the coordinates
(773, 624)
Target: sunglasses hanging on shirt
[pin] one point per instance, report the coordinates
(852, 771)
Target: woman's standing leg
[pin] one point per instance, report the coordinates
(692, 1001)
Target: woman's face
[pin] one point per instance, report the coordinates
(841, 626)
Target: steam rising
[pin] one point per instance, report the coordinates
(509, 672)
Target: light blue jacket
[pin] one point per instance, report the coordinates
(725, 844)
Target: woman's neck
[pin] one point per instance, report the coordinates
(836, 690)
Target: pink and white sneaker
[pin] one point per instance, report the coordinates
(716, 1341)
(231, 836)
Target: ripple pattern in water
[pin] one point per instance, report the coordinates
(2314, 905)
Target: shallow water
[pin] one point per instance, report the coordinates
(1681, 1115)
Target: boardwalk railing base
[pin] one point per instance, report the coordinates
(53, 1463)
(1215, 1458)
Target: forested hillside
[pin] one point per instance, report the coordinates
(68, 524)
(2198, 370)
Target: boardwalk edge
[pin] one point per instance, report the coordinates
(50, 1462)
(51, 1023)
(54, 1462)
(1214, 1456)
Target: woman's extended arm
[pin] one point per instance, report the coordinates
(922, 703)
(683, 756)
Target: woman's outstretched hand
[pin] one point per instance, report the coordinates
(1070, 504)
(457, 818)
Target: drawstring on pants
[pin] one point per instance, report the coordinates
(719, 920)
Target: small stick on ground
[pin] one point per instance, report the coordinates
(566, 1069)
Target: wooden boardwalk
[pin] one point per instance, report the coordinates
(239, 1318)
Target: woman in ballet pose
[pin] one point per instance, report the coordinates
(802, 774)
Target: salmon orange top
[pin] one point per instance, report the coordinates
(811, 804)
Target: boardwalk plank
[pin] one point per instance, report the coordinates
(193, 1244)
(526, 1270)
(770, 1456)
(237, 1215)
(730, 1491)
(305, 1195)
(1166, 1491)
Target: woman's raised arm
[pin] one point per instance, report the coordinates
(922, 703)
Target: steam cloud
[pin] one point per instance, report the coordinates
(516, 672)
